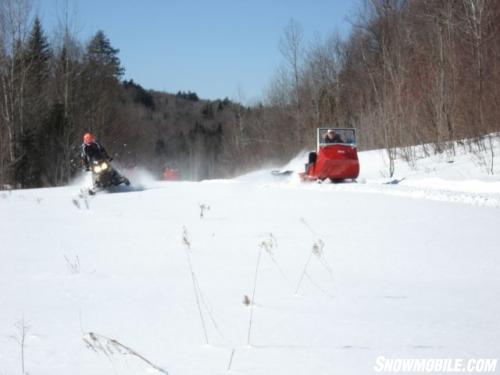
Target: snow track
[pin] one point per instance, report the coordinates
(487, 199)
(436, 194)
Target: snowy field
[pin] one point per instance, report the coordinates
(166, 278)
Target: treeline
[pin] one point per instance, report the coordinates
(411, 72)
(50, 95)
(201, 138)
(53, 91)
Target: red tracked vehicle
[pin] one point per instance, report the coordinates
(336, 156)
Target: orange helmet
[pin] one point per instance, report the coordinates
(88, 138)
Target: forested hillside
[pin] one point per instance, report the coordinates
(411, 72)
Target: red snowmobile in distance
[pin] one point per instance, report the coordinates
(170, 174)
(336, 156)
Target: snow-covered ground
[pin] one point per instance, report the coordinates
(338, 274)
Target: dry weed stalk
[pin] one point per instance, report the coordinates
(108, 346)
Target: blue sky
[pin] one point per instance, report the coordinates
(215, 48)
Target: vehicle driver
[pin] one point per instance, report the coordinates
(332, 137)
(92, 150)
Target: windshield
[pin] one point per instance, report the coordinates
(335, 135)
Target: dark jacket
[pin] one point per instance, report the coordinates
(336, 139)
(93, 151)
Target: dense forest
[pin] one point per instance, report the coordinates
(410, 72)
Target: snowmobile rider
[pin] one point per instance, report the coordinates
(91, 149)
(332, 137)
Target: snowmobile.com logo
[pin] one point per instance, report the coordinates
(434, 365)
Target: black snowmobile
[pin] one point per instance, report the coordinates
(104, 176)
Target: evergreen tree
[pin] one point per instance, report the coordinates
(38, 56)
(102, 73)
(33, 64)
(101, 55)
